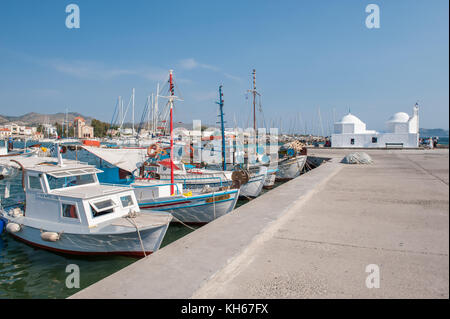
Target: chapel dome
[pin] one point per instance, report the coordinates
(350, 119)
(400, 117)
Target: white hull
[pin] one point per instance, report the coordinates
(116, 240)
(197, 209)
(255, 184)
(270, 180)
(290, 168)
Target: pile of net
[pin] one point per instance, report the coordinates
(295, 145)
(357, 158)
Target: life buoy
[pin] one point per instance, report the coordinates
(152, 150)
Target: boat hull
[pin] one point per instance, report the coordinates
(270, 180)
(290, 168)
(126, 244)
(197, 209)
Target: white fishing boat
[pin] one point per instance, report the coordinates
(191, 207)
(292, 161)
(290, 168)
(68, 211)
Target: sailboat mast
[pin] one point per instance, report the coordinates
(150, 122)
(155, 125)
(133, 111)
(172, 93)
(224, 162)
(254, 100)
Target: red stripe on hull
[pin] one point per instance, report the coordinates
(136, 254)
(162, 205)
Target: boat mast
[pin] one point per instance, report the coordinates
(155, 125)
(254, 100)
(132, 98)
(149, 113)
(224, 162)
(172, 93)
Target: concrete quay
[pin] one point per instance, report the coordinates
(313, 237)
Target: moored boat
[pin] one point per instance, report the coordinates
(68, 211)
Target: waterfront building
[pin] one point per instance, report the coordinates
(402, 130)
(5, 132)
(81, 129)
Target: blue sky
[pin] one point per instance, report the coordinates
(309, 55)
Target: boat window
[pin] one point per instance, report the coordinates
(374, 139)
(352, 141)
(63, 182)
(126, 201)
(34, 183)
(69, 211)
(103, 207)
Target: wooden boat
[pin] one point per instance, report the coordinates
(68, 211)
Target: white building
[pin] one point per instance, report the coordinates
(49, 130)
(402, 130)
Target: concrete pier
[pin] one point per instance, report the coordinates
(313, 237)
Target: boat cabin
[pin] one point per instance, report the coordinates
(71, 193)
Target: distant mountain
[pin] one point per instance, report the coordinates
(433, 132)
(3, 120)
(37, 118)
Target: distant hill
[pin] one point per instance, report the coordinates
(433, 132)
(37, 118)
(3, 120)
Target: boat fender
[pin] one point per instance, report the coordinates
(50, 236)
(2, 226)
(16, 212)
(13, 228)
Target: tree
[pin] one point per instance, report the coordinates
(100, 128)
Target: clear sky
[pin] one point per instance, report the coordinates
(309, 55)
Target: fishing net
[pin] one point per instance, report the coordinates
(357, 158)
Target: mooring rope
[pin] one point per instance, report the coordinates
(182, 222)
(130, 217)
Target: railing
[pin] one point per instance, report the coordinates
(141, 186)
(200, 178)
